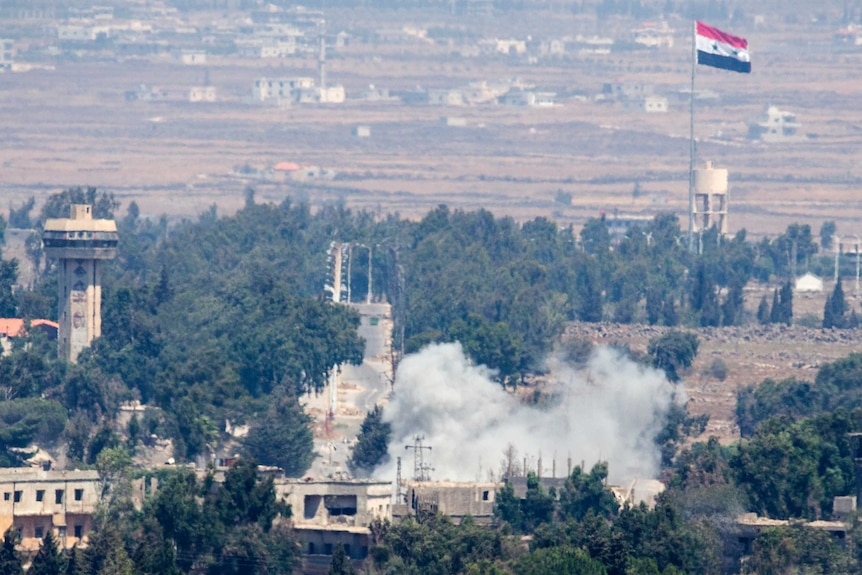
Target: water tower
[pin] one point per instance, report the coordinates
(81, 243)
(710, 198)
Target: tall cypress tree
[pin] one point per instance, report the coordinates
(340, 564)
(828, 320)
(49, 560)
(785, 296)
(763, 311)
(775, 313)
(10, 561)
(839, 306)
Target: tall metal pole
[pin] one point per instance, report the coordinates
(691, 139)
(837, 240)
(349, 276)
(370, 254)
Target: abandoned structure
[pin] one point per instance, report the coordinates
(329, 512)
(710, 198)
(454, 499)
(775, 126)
(36, 501)
(81, 243)
(202, 94)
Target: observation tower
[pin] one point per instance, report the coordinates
(81, 243)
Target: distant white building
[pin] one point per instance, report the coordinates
(655, 104)
(808, 282)
(519, 97)
(82, 33)
(446, 98)
(298, 90)
(649, 104)
(202, 94)
(193, 57)
(7, 53)
(775, 125)
(654, 35)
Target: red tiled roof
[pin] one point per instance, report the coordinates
(14, 327)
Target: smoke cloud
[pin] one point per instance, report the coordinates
(610, 411)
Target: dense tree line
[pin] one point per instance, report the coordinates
(224, 318)
(209, 319)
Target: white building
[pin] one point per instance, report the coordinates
(808, 282)
(775, 125)
(202, 94)
(193, 57)
(298, 90)
(7, 53)
(446, 97)
(655, 104)
(82, 33)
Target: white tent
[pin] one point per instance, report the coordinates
(809, 283)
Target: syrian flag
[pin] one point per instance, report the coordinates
(721, 50)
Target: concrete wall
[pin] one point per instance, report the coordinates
(457, 500)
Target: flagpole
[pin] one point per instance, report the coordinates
(691, 140)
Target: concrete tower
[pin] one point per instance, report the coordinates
(80, 243)
(710, 198)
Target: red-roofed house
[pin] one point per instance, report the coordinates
(12, 327)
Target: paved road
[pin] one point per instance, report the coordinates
(362, 387)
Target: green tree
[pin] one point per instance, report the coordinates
(247, 498)
(779, 550)
(154, 554)
(372, 443)
(585, 493)
(763, 312)
(795, 469)
(282, 437)
(775, 311)
(25, 421)
(8, 279)
(537, 507)
(10, 561)
(834, 316)
(827, 232)
(48, 560)
(558, 561)
(654, 301)
(785, 299)
(673, 352)
(507, 506)
(595, 236)
(340, 564)
(20, 217)
(590, 292)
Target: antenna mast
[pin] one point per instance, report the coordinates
(421, 470)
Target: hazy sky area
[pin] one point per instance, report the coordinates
(610, 411)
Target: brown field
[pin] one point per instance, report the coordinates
(72, 126)
(751, 353)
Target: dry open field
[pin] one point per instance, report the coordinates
(752, 354)
(72, 126)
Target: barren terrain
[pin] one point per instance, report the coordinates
(71, 125)
(751, 353)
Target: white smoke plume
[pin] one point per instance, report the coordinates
(609, 411)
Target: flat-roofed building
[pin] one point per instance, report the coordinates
(35, 501)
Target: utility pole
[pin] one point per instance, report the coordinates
(420, 468)
(398, 480)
